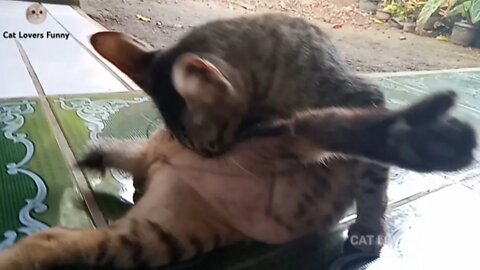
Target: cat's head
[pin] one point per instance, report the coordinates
(197, 95)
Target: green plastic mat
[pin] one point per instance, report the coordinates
(36, 187)
(85, 119)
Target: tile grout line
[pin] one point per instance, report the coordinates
(346, 221)
(397, 204)
(424, 72)
(419, 195)
(79, 179)
(105, 66)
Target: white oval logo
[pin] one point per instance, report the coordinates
(36, 13)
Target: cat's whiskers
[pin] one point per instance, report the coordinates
(236, 163)
(325, 158)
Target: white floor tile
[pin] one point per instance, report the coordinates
(82, 29)
(14, 77)
(62, 65)
(439, 230)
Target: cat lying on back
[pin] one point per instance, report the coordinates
(271, 187)
(227, 75)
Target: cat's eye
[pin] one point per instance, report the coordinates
(41, 11)
(33, 11)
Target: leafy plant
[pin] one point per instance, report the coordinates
(461, 10)
(466, 9)
(475, 11)
(430, 8)
(403, 9)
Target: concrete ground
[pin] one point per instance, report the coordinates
(367, 48)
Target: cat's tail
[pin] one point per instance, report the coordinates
(420, 137)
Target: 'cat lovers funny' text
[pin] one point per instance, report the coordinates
(47, 35)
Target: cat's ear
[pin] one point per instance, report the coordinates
(128, 54)
(198, 80)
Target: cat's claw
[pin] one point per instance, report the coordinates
(93, 160)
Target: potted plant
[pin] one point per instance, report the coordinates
(465, 30)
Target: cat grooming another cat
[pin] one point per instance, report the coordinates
(289, 178)
(269, 137)
(225, 76)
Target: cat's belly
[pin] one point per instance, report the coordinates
(275, 207)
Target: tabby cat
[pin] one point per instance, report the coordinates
(251, 67)
(270, 187)
(227, 75)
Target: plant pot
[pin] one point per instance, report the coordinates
(463, 34)
(382, 15)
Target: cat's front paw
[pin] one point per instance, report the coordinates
(93, 160)
(424, 138)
